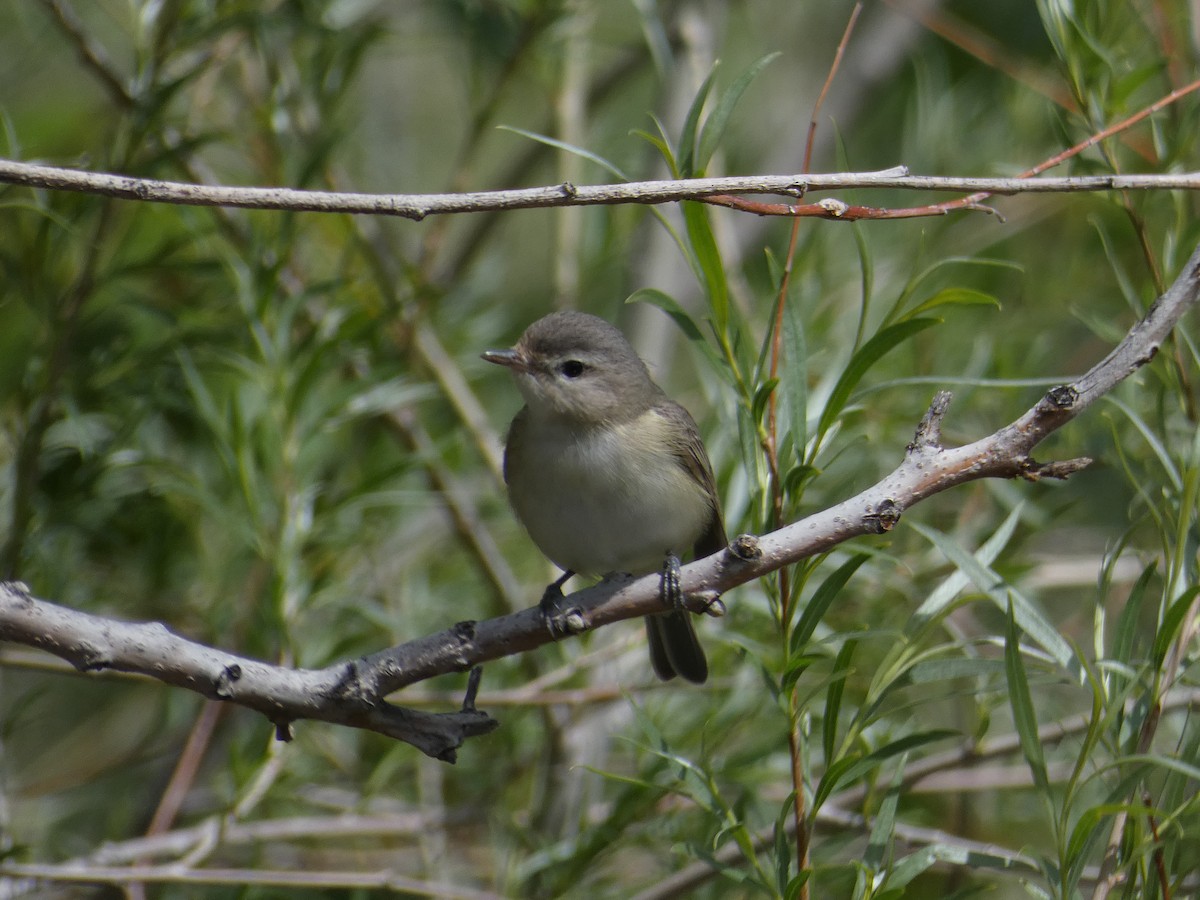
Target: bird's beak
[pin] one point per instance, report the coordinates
(512, 359)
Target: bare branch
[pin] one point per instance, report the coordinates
(92, 643)
(351, 693)
(418, 206)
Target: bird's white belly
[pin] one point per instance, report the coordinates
(602, 503)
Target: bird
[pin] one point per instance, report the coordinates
(607, 474)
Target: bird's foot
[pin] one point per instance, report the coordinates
(559, 622)
(671, 591)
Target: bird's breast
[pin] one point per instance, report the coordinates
(608, 499)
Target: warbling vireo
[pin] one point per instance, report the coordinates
(607, 473)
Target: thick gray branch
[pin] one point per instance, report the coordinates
(418, 206)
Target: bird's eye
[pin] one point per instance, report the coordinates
(572, 368)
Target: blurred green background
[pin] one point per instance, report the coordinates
(273, 433)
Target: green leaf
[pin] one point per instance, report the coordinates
(1125, 638)
(943, 595)
(782, 843)
(933, 670)
(680, 317)
(570, 148)
(718, 119)
(833, 697)
(915, 282)
(1024, 718)
(762, 396)
(821, 600)
(861, 362)
(1171, 623)
(794, 376)
(658, 142)
(1031, 620)
(663, 144)
(866, 265)
(704, 245)
(884, 825)
(1087, 830)
(691, 125)
(796, 885)
(850, 768)
(955, 296)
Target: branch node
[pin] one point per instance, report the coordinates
(568, 190)
(223, 686)
(1032, 470)
(834, 207)
(352, 688)
(1063, 397)
(883, 518)
(745, 547)
(20, 588)
(1151, 352)
(464, 631)
(88, 657)
(929, 430)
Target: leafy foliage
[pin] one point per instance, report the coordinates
(272, 433)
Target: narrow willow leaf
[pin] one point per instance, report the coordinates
(1125, 639)
(943, 595)
(783, 855)
(796, 886)
(691, 126)
(762, 396)
(866, 266)
(576, 150)
(663, 144)
(1088, 829)
(933, 670)
(1031, 620)
(793, 372)
(852, 767)
(915, 282)
(861, 362)
(718, 119)
(833, 698)
(1160, 451)
(663, 147)
(880, 843)
(821, 600)
(1024, 718)
(680, 317)
(1171, 623)
(704, 245)
(956, 296)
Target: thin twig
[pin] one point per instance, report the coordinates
(419, 206)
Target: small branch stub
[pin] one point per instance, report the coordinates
(1062, 397)
(884, 517)
(745, 547)
(929, 430)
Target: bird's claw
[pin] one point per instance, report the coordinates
(671, 590)
(560, 622)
